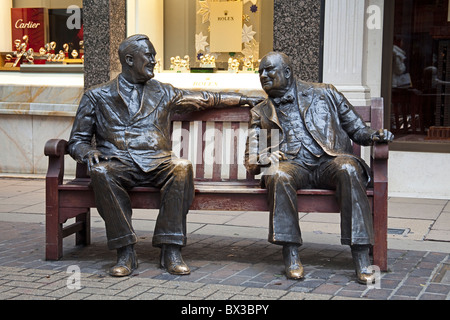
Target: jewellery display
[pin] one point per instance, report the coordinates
(81, 43)
(22, 54)
(248, 65)
(207, 64)
(44, 39)
(180, 65)
(46, 55)
(208, 61)
(158, 66)
(66, 50)
(233, 65)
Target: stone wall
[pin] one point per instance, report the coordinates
(104, 29)
(297, 32)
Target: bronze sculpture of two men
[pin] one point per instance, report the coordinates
(129, 117)
(315, 126)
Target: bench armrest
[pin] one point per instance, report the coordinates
(55, 149)
(380, 151)
(379, 165)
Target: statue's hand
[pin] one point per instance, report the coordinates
(266, 159)
(94, 157)
(383, 135)
(251, 101)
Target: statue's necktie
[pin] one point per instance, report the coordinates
(135, 102)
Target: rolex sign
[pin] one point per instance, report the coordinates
(226, 26)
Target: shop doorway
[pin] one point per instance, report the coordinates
(416, 77)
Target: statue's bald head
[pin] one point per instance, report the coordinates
(130, 45)
(275, 73)
(280, 57)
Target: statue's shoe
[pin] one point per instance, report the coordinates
(172, 261)
(293, 267)
(126, 262)
(361, 260)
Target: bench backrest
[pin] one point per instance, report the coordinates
(214, 141)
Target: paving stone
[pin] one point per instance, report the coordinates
(103, 297)
(409, 291)
(431, 296)
(170, 291)
(264, 292)
(378, 294)
(203, 292)
(438, 288)
(147, 296)
(349, 293)
(133, 291)
(327, 288)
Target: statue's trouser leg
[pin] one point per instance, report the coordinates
(177, 193)
(348, 177)
(110, 181)
(345, 174)
(282, 185)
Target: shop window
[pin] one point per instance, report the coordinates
(420, 109)
(45, 33)
(211, 32)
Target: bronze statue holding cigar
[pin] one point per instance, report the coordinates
(308, 131)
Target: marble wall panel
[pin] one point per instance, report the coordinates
(16, 144)
(52, 109)
(34, 99)
(15, 93)
(14, 107)
(44, 129)
(29, 116)
(22, 141)
(22, 94)
(56, 95)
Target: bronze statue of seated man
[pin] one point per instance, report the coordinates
(129, 117)
(309, 129)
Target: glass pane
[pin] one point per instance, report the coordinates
(194, 31)
(59, 38)
(421, 71)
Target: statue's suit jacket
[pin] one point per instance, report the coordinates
(144, 137)
(330, 119)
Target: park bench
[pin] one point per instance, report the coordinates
(214, 140)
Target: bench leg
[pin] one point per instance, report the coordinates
(53, 236)
(83, 237)
(380, 250)
(380, 224)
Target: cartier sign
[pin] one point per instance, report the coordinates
(30, 22)
(20, 24)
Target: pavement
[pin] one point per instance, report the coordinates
(229, 257)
